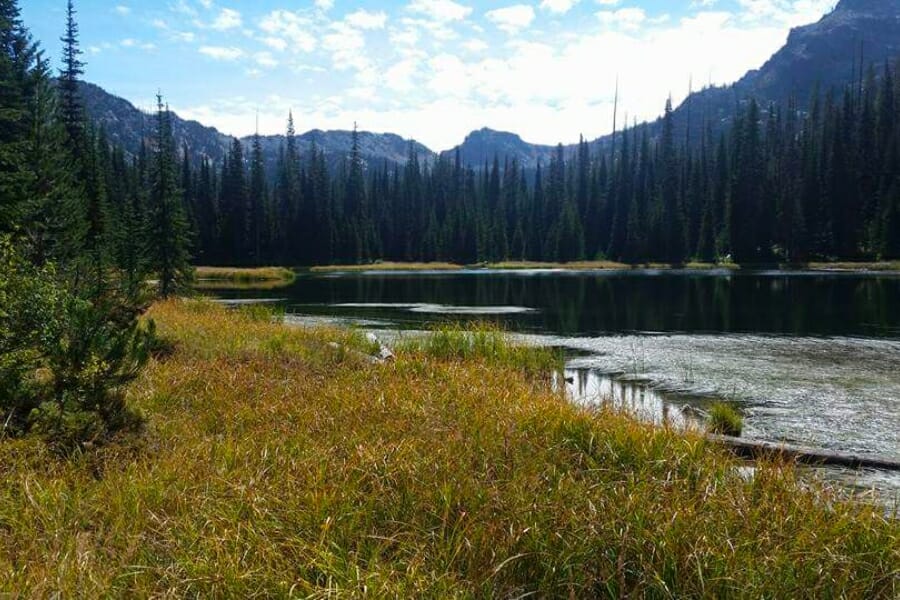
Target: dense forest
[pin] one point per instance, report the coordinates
(779, 184)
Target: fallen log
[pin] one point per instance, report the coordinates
(801, 454)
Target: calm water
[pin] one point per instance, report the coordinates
(603, 303)
(810, 358)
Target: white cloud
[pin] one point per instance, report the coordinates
(440, 10)
(418, 85)
(400, 76)
(364, 19)
(786, 12)
(324, 4)
(286, 25)
(173, 34)
(408, 37)
(475, 45)
(346, 45)
(558, 6)
(624, 18)
(276, 43)
(207, 4)
(265, 60)
(227, 19)
(133, 43)
(512, 19)
(122, 10)
(222, 52)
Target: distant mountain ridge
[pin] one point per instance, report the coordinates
(126, 125)
(825, 53)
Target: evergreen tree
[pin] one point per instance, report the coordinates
(71, 111)
(167, 227)
(257, 212)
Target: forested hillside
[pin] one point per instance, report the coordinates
(779, 185)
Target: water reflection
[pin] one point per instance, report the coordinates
(596, 303)
(589, 387)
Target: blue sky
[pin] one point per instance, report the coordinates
(432, 70)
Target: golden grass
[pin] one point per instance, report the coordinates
(593, 264)
(603, 265)
(511, 265)
(277, 465)
(389, 266)
(244, 275)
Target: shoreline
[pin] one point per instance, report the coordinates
(825, 267)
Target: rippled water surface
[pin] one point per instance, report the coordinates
(810, 358)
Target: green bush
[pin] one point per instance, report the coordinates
(64, 360)
(725, 420)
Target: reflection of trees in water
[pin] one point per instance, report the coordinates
(593, 304)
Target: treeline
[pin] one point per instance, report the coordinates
(82, 230)
(780, 184)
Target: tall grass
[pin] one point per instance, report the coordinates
(244, 275)
(275, 466)
(725, 420)
(483, 342)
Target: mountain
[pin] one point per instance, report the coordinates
(824, 54)
(481, 146)
(126, 125)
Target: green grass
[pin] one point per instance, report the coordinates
(274, 464)
(483, 342)
(725, 420)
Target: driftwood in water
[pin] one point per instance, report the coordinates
(811, 456)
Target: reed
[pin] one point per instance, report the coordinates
(725, 420)
(275, 465)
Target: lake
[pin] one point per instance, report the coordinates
(811, 358)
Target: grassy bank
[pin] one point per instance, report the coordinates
(277, 462)
(856, 266)
(606, 265)
(504, 265)
(244, 275)
(389, 266)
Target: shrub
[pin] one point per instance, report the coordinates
(725, 420)
(64, 359)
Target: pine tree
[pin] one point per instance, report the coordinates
(258, 195)
(19, 79)
(167, 227)
(71, 111)
(672, 218)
